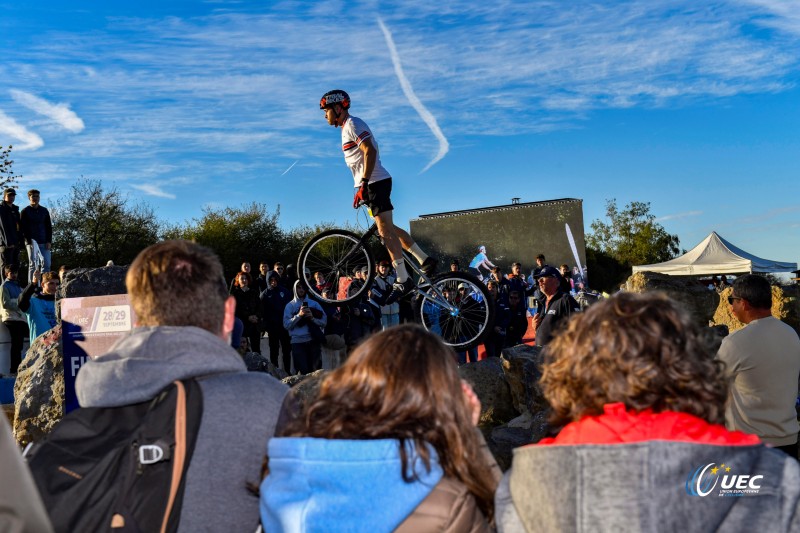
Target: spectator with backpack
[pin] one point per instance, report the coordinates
(171, 402)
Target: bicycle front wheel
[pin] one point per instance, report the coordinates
(462, 316)
(329, 261)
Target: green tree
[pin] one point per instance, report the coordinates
(93, 225)
(630, 236)
(7, 176)
(237, 234)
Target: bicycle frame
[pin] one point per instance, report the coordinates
(440, 298)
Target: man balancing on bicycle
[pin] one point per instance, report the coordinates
(374, 185)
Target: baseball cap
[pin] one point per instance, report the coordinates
(548, 272)
(385, 263)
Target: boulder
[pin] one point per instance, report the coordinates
(488, 380)
(700, 302)
(522, 370)
(526, 429)
(39, 390)
(101, 281)
(256, 362)
(305, 387)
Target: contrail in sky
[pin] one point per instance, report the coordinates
(290, 167)
(415, 102)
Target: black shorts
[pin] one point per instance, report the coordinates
(378, 196)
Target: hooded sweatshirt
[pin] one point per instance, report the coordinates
(295, 324)
(645, 471)
(273, 302)
(240, 410)
(341, 485)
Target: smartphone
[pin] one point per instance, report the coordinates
(305, 304)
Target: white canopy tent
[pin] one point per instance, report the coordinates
(715, 255)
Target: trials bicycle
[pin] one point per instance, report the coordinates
(454, 305)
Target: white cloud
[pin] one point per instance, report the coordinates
(29, 139)
(178, 90)
(413, 99)
(675, 216)
(60, 113)
(153, 190)
(290, 168)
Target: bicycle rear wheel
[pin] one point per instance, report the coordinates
(336, 254)
(464, 318)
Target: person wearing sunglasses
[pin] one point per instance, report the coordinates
(763, 365)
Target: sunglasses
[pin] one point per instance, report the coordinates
(732, 298)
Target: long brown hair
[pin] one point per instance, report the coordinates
(403, 384)
(638, 349)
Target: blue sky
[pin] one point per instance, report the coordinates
(691, 106)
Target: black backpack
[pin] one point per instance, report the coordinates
(120, 469)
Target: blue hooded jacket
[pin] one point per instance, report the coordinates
(295, 324)
(322, 485)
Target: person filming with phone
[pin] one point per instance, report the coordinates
(305, 321)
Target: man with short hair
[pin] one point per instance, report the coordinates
(566, 278)
(273, 303)
(261, 280)
(36, 227)
(184, 319)
(9, 230)
(558, 305)
(517, 320)
(516, 280)
(496, 339)
(763, 363)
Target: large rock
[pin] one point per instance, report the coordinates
(522, 369)
(256, 362)
(305, 387)
(527, 428)
(488, 380)
(700, 302)
(102, 281)
(39, 390)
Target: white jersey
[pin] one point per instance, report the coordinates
(354, 132)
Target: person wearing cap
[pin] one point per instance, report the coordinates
(390, 314)
(9, 230)
(558, 305)
(358, 280)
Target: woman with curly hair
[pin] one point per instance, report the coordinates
(389, 444)
(644, 447)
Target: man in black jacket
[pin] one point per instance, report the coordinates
(273, 302)
(558, 306)
(9, 230)
(36, 226)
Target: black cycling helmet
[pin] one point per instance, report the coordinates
(336, 96)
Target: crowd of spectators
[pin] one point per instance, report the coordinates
(649, 428)
(261, 305)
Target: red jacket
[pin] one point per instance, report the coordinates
(617, 426)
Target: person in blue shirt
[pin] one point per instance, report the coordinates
(40, 307)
